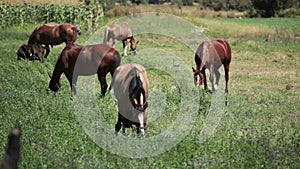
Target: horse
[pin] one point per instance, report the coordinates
(211, 55)
(89, 60)
(131, 89)
(54, 34)
(120, 32)
(31, 52)
(13, 151)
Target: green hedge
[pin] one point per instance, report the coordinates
(19, 15)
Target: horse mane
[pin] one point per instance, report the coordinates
(135, 85)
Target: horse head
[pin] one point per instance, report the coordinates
(133, 44)
(137, 96)
(38, 52)
(31, 52)
(54, 84)
(198, 77)
(77, 26)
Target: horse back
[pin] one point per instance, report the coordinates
(121, 81)
(118, 31)
(53, 34)
(223, 49)
(126, 72)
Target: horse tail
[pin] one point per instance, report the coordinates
(117, 63)
(227, 49)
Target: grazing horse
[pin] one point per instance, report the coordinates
(131, 89)
(89, 60)
(120, 32)
(211, 55)
(13, 151)
(54, 34)
(31, 52)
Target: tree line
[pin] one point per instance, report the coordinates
(256, 8)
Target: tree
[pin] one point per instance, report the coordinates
(266, 8)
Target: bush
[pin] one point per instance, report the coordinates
(290, 12)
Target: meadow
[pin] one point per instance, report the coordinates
(258, 129)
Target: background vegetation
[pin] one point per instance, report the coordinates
(259, 128)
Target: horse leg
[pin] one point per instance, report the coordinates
(226, 67)
(118, 124)
(125, 46)
(47, 50)
(123, 129)
(211, 77)
(204, 77)
(102, 80)
(217, 73)
(113, 43)
(72, 82)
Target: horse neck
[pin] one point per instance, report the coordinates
(58, 70)
(75, 33)
(202, 56)
(136, 86)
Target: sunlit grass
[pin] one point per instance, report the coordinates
(258, 129)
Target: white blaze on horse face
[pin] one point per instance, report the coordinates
(142, 100)
(141, 120)
(197, 80)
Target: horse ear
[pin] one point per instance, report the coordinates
(50, 75)
(145, 105)
(137, 42)
(194, 70)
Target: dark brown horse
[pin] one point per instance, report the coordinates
(120, 32)
(54, 34)
(31, 52)
(13, 151)
(89, 60)
(131, 88)
(212, 55)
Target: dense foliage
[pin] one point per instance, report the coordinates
(258, 8)
(19, 15)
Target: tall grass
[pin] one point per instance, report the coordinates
(21, 15)
(36, 2)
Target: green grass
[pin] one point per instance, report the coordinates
(258, 129)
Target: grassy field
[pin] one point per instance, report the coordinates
(259, 128)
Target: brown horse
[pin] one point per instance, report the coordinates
(131, 89)
(13, 151)
(211, 55)
(89, 60)
(120, 32)
(54, 34)
(31, 52)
